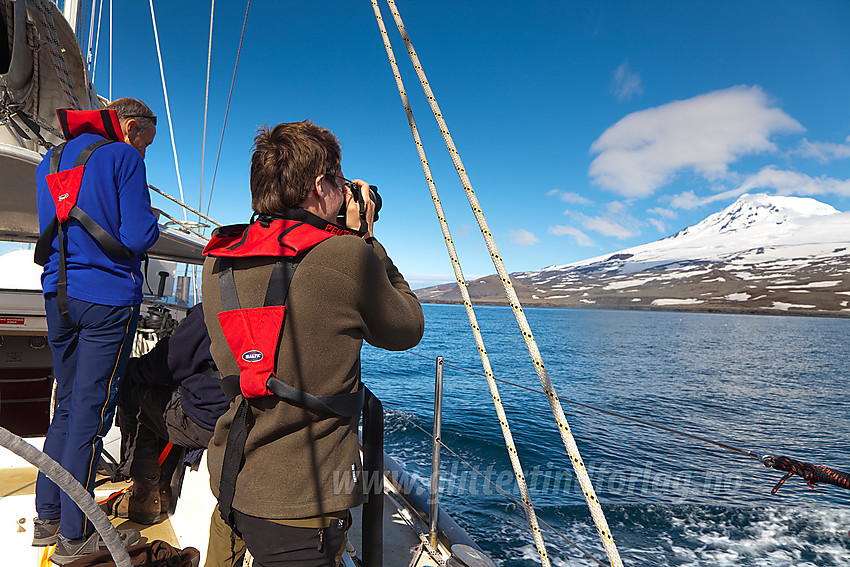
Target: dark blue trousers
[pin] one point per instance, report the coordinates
(89, 360)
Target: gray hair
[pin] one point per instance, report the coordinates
(127, 108)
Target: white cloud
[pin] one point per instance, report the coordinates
(645, 149)
(569, 197)
(522, 237)
(616, 221)
(662, 228)
(794, 183)
(579, 237)
(782, 182)
(626, 83)
(687, 200)
(662, 212)
(608, 227)
(824, 151)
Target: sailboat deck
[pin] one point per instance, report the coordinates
(187, 527)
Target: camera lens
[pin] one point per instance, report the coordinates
(373, 196)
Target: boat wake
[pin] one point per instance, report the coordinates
(679, 535)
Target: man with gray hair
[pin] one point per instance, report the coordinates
(96, 221)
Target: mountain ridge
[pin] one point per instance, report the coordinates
(761, 254)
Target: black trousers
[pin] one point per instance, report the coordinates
(276, 545)
(149, 417)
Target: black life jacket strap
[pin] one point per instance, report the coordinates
(338, 405)
(109, 244)
(55, 156)
(62, 280)
(86, 153)
(227, 285)
(281, 277)
(42, 246)
(234, 452)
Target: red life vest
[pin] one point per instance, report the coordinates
(248, 331)
(65, 189)
(253, 333)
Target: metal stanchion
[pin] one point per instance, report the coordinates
(433, 498)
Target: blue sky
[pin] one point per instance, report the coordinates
(585, 127)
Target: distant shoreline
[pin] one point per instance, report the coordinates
(672, 308)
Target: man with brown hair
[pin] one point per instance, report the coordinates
(96, 220)
(285, 500)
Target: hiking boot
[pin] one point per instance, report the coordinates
(45, 532)
(140, 503)
(68, 550)
(164, 496)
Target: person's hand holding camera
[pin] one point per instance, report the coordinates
(360, 208)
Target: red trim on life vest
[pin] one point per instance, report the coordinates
(281, 238)
(65, 188)
(76, 122)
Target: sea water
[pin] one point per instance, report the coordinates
(769, 384)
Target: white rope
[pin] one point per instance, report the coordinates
(91, 34)
(182, 204)
(528, 507)
(110, 50)
(554, 404)
(167, 107)
(206, 107)
(97, 40)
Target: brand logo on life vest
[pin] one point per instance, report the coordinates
(252, 356)
(63, 197)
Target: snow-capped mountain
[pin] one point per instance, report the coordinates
(761, 254)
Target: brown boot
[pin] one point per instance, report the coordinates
(140, 503)
(164, 496)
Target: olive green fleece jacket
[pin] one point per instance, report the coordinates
(346, 290)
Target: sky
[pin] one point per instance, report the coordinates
(585, 127)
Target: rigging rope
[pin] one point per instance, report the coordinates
(91, 34)
(110, 50)
(167, 107)
(206, 107)
(96, 41)
(557, 411)
(227, 110)
(184, 205)
(527, 505)
(183, 225)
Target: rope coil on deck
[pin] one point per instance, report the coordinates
(467, 302)
(554, 404)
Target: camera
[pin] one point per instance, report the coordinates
(355, 190)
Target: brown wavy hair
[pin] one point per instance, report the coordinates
(286, 161)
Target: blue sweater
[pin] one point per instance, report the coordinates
(114, 193)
